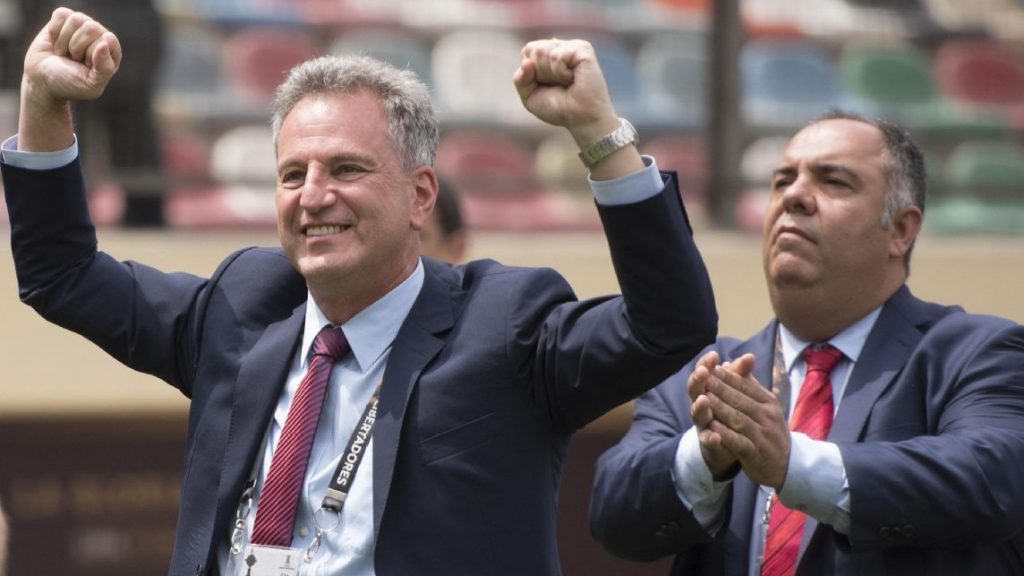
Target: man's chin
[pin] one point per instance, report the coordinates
(792, 278)
(319, 269)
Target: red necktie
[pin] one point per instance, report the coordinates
(813, 417)
(275, 511)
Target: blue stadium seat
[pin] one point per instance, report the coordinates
(787, 83)
(672, 68)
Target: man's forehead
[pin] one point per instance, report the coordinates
(831, 140)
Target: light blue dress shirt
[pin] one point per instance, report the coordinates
(348, 550)
(816, 478)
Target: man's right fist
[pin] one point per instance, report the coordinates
(72, 58)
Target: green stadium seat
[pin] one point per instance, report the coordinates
(896, 82)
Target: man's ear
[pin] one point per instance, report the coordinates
(424, 182)
(905, 228)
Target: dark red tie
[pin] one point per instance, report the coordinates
(813, 417)
(275, 510)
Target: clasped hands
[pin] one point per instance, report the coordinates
(740, 423)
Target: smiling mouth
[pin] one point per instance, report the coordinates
(324, 230)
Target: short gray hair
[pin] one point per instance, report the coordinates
(412, 125)
(906, 180)
(907, 183)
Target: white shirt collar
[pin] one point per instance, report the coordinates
(850, 341)
(372, 330)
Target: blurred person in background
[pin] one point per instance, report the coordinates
(444, 237)
(456, 388)
(123, 123)
(120, 131)
(735, 465)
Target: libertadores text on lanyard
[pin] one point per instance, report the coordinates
(277, 561)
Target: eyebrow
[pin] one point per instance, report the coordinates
(335, 159)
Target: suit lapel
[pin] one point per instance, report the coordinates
(261, 377)
(885, 352)
(415, 345)
(889, 344)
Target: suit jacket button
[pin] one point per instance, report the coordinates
(885, 533)
(908, 531)
(667, 530)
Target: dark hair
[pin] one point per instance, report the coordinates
(448, 208)
(906, 178)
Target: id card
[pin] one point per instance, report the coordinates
(271, 561)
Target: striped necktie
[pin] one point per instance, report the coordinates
(275, 511)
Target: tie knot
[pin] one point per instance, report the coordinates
(330, 342)
(822, 358)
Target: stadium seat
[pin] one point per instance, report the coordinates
(220, 207)
(688, 6)
(400, 47)
(819, 18)
(987, 169)
(190, 83)
(233, 14)
(981, 74)
(975, 15)
(896, 81)
(245, 155)
(787, 83)
(472, 71)
(760, 158)
(687, 157)
(618, 63)
(672, 68)
(256, 59)
(500, 190)
(986, 190)
(486, 163)
(344, 14)
(557, 165)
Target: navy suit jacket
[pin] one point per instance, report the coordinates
(491, 372)
(931, 431)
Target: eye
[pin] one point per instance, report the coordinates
(781, 183)
(348, 170)
(292, 177)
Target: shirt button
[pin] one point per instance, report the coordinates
(303, 532)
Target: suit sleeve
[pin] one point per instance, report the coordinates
(635, 510)
(138, 315)
(958, 483)
(589, 357)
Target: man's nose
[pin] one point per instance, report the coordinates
(316, 191)
(799, 196)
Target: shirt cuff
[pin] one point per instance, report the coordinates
(816, 482)
(695, 487)
(635, 187)
(10, 155)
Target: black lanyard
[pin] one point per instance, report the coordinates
(341, 482)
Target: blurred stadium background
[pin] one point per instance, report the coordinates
(90, 453)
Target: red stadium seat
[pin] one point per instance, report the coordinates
(980, 72)
(256, 60)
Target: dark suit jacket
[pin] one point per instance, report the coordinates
(490, 373)
(931, 431)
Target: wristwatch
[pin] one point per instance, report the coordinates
(617, 139)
